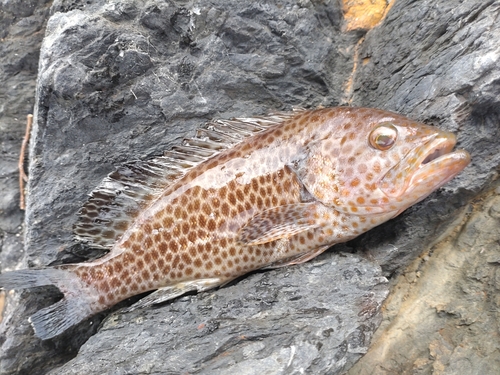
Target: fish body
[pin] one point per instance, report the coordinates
(243, 195)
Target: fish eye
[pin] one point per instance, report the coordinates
(383, 136)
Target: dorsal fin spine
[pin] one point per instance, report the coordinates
(124, 192)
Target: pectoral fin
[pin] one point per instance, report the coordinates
(170, 292)
(279, 222)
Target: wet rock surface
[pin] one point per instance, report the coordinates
(119, 81)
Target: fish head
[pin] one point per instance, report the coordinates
(381, 162)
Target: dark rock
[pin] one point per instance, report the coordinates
(125, 80)
(21, 33)
(440, 63)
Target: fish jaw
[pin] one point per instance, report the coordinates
(426, 169)
(433, 175)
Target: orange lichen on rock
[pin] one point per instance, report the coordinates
(364, 14)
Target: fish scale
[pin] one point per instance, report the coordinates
(190, 238)
(242, 195)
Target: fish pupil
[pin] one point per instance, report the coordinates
(384, 141)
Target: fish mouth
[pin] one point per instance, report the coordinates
(435, 164)
(424, 170)
(438, 152)
(438, 147)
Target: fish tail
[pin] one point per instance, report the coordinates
(55, 319)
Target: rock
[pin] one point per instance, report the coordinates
(125, 80)
(21, 33)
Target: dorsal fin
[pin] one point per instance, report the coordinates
(116, 202)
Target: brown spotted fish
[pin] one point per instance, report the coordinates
(241, 195)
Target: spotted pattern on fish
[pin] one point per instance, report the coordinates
(265, 192)
(191, 238)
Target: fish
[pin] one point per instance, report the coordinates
(241, 195)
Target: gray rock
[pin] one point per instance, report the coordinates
(442, 312)
(124, 80)
(21, 32)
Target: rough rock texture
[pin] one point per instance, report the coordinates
(122, 80)
(437, 62)
(21, 33)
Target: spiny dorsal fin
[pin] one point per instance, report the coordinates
(116, 202)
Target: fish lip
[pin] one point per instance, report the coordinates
(437, 163)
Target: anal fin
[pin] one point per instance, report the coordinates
(170, 292)
(301, 258)
(278, 223)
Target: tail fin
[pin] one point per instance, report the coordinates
(72, 309)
